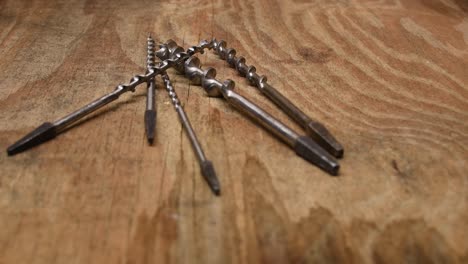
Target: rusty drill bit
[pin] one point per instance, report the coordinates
(150, 112)
(303, 145)
(206, 166)
(313, 128)
(50, 130)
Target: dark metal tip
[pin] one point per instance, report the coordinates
(325, 139)
(150, 140)
(39, 135)
(209, 174)
(312, 152)
(150, 125)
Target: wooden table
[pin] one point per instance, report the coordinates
(388, 78)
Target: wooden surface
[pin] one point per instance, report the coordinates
(388, 78)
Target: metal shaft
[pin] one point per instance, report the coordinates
(215, 88)
(303, 146)
(49, 130)
(206, 166)
(150, 112)
(313, 128)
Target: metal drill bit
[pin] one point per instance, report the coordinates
(313, 128)
(150, 112)
(206, 166)
(50, 130)
(303, 146)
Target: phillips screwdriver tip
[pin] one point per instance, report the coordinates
(312, 152)
(39, 135)
(209, 174)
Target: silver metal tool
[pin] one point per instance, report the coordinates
(313, 128)
(303, 145)
(150, 112)
(50, 130)
(206, 166)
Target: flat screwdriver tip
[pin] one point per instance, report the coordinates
(324, 138)
(312, 152)
(209, 174)
(39, 135)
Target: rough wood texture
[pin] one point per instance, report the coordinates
(388, 78)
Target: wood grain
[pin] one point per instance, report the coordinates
(388, 78)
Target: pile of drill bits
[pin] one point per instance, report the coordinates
(318, 147)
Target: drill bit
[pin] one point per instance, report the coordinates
(313, 128)
(50, 130)
(150, 112)
(206, 166)
(303, 145)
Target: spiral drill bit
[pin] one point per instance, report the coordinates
(50, 130)
(206, 166)
(303, 145)
(313, 128)
(150, 113)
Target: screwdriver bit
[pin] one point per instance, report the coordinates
(150, 112)
(303, 146)
(49, 130)
(206, 166)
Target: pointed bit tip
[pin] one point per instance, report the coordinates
(209, 174)
(312, 152)
(150, 140)
(39, 135)
(325, 139)
(150, 125)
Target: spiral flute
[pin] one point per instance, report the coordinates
(49, 130)
(206, 166)
(150, 112)
(313, 128)
(303, 145)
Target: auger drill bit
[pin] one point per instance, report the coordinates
(49, 130)
(313, 128)
(150, 112)
(302, 145)
(206, 166)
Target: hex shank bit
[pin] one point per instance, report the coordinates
(303, 146)
(313, 128)
(150, 112)
(49, 130)
(206, 166)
